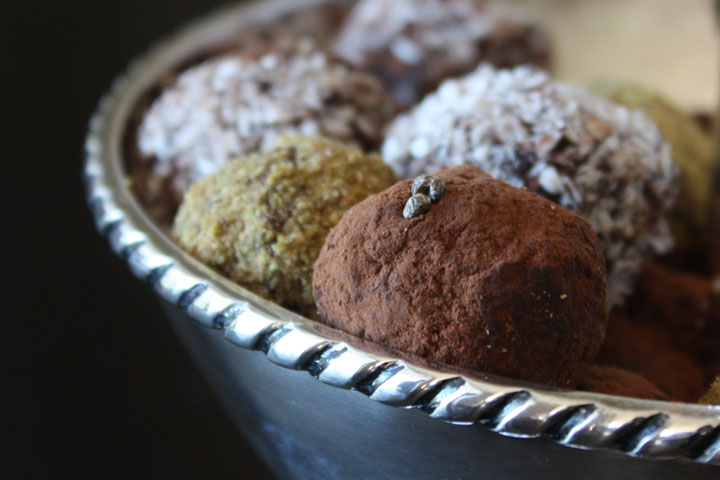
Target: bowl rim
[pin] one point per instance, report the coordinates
(636, 427)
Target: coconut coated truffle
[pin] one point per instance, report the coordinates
(692, 151)
(602, 161)
(491, 278)
(415, 44)
(243, 102)
(261, 219)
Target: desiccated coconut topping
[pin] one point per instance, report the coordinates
(414, 44)
(603, 161)
(241, 103)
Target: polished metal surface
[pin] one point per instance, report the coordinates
(306, 429)
(328, 412)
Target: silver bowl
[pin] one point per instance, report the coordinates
(315, 406)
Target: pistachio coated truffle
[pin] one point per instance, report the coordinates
(712, 397)
(415, 44)
(261, 219)
(243, 102)
(692, 151)
(608, 164)
(490, 278)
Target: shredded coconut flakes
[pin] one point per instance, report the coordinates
(600, 160)
(414, 44)
(237, 104)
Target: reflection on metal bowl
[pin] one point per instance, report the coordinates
(316, 407)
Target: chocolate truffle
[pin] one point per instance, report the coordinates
(602, 161)
(678, 302)
(712, 397)
(648, 350)
(684, 308)
(692, 151)
(707, 345)
(261, 220)
(241, 103)
(616, 381)
(414, 44)
(491, 278)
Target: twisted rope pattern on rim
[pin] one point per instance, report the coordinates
(577, 419)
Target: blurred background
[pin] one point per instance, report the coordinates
(92, 379)
(635, 41)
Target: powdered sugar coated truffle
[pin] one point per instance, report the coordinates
(242, 103)
(414, 44)
(603, 161)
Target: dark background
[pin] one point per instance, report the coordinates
(92, 378)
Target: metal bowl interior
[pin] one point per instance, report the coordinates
(230, 319)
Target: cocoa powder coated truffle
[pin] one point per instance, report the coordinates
(602, 161)
(241, 103)
(491, 278)
(414, 44)
(616, 381)
(261, 220)
(647, 349)
(677, 302)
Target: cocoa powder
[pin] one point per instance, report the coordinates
(492, 279)
(648, 350)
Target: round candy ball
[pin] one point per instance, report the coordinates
(600, 160)
(712, 397)
(243, 102)
(262, 219)
(415, 44)
(491, 278)
(616, 381)
(692, 151)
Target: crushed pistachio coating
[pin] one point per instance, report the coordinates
(692, 151)
(261, 220)
(712, 397)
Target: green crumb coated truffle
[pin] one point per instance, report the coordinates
(712, 397)
(692, 151)
(261, 219)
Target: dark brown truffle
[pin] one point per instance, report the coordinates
(648, 350)
(677, 301)
(492, 278)
(685, 309)
(616, 381)
(415, 44)
(707, 347)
